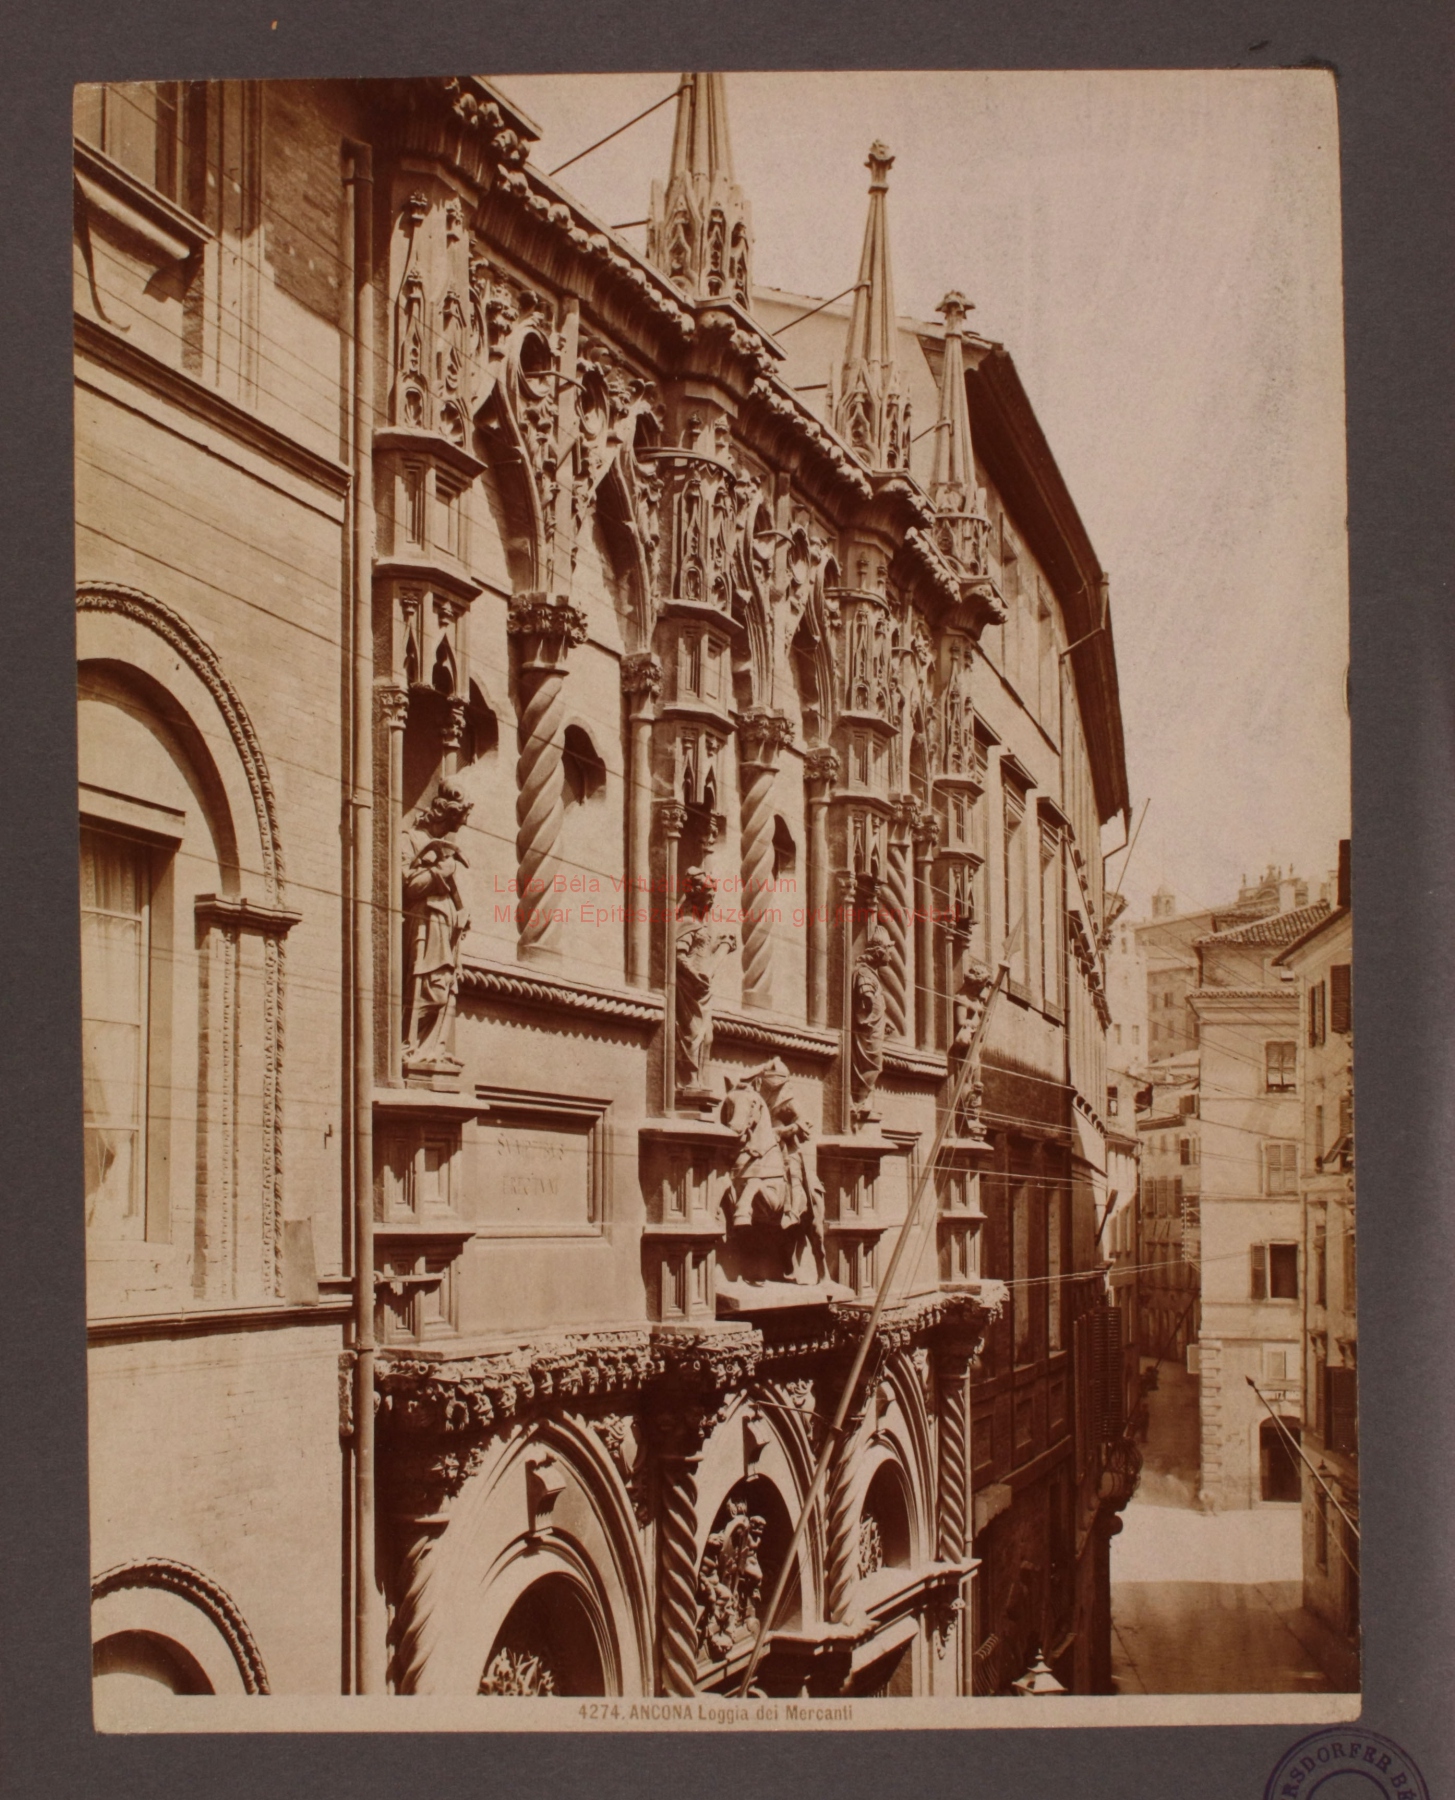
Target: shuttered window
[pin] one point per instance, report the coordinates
(1341, 998)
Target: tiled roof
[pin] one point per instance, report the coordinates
(1278, 928)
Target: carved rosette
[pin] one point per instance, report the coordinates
(762, 736)
(544, 633)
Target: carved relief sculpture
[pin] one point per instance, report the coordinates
(437, 923)
(774, 1197)
(730, 1584)
(870, 1020)
(700, 950)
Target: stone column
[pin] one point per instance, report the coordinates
(641, 684)
(544, 634)
(761, 737)
(842, 1534)
(895, 973)
(952, 1379)
(821, 771)
(394, 710)
(926, 843)
(679, 1436)
(673, 817)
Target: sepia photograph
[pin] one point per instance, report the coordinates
(715, 901)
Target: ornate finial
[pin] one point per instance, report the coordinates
(872, 411)
(700, 230)
(955, 306)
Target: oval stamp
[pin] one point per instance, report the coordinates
(1346, 1763)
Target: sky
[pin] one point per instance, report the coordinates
(1159, 252)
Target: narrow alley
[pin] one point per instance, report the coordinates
(1205, 1603)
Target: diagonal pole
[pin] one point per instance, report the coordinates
(861, 1354)
(1299, 1451)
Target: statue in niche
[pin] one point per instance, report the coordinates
(869, 1011)
(774, 1192)
(699, 952)
(437, 923)
(969, 1009)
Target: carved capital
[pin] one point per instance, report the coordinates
(545, 630)
(393, 705)
(641, 679)
(926, 833)
(672, 817)
(822, 765)
(762, 736)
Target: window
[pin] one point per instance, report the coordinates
(1341, 998)
(1280, 1163)
(1321, 1266)
(1136, 1035)
(1113, 1100)
(115, 956)
(1281, 1067)
(1015, 886)
(156, 131)
(582, 767)
(1273, 1272)
(1318, 1014)
(1351, 1273)
(1022, 1292)
(1341, 1410)
(1318, 1134)
(1117, 1035)
(1184, 1151)
(1052, 913)
(1187, 1106)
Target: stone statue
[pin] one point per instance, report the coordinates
(869, 1014)
(699, 951)
(730, 1583)
(969, 1006)
(774, 1189)
(438, 921)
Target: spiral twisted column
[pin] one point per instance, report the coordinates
(543, 633)
(842, 1534)
(894, 916)
(953, 1372)
(679, 1449)
(417, 1592)
(761, 737)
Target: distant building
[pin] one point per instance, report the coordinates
(1168, 1236)
(1322, 962)
(1250, 1126)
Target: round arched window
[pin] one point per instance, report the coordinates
(547, 1645)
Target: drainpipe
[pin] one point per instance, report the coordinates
(368, 1602)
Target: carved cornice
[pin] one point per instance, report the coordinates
(510, 984)
(788, 1040)
(915, 1065)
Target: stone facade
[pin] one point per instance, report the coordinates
(567, 827)
(1322, 962)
